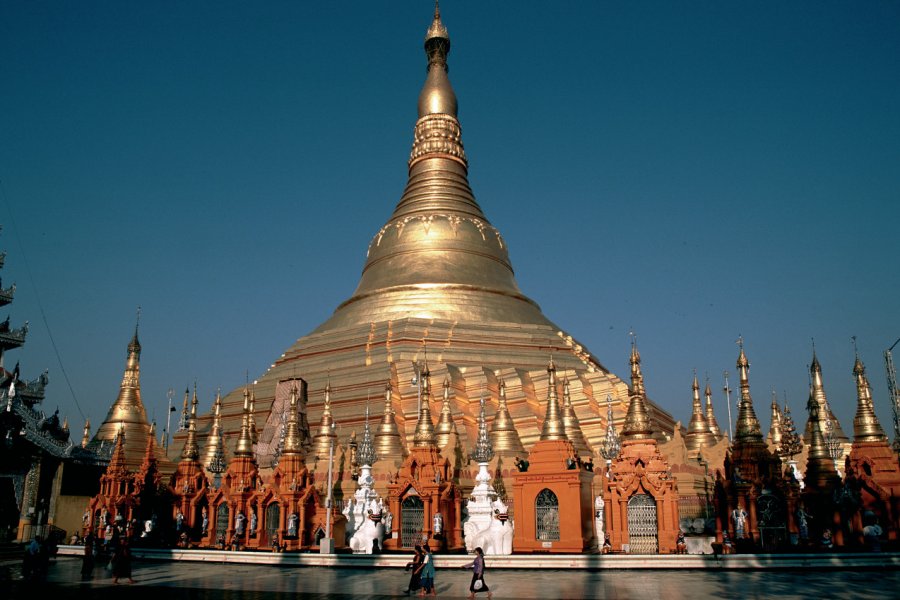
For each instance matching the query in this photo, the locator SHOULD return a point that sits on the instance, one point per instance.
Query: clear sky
(695, 171)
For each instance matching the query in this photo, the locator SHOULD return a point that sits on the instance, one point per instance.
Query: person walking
(478, 584)
(415, 578)
(427, 573)
(121, 560)
(87, 561)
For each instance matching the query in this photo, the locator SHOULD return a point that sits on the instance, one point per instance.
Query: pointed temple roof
(637, 421)
(244, 447)
(214, 447)
(446, 425)
(367, 455)
(504, 437)
(698, 434)
(710, 415)
(553, 428)
(820, 472)
(866, 427)
(293, 442)
(825, 412)
(437, 269)
(570, 423)
(424, 435)
(128, 413)
(325, 436)
(748, 428)
(388, 443)
(483, 451)
(191, 451)
(774, 437)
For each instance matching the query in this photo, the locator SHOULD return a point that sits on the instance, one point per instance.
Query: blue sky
(695, 171)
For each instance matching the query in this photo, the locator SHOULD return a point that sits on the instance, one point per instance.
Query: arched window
(273, 515)
(222, 515)
(546, 511)
(412, 521)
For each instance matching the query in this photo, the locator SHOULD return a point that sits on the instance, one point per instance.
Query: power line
(37, 296)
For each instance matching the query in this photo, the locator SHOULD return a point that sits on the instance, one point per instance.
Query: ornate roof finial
(483, 452)
(254, 434)
(820, 471)
(866, 427)
(424, 434)
(214, 440)
(637, 420)
(571, 425)
(325, 436)
(446, 425)
(387, 438)
(504, 436)
(791, 442)
(611, 442)
(366, 454)
(191, 451)
(748, 428)
(699, 434)
(293, 444)
(777, 419)
(553, 428)
(244, 448)
(437, 96)
(86, 434)
(710, 415)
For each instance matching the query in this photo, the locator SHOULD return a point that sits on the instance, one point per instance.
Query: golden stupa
(437, 276)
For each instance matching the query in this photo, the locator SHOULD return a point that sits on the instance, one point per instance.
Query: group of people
(117, 548)
(423, 573)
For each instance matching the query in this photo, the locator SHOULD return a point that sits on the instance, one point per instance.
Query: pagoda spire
(185, 411)
(484, 451)
(446, 425)
(775, 429)
(437, 256)
(244, 447)
(570, 423)
(612, 445)
(710, 415)
(820, 471)
(325, 436)
(637, 420)
(388, 442)
(504, 437)
(86, 434)
(424, 434)
(191, 451)
(293, 443)
(254, 434)
(214, 440)
(832, 429)
(748, 428)
(866, 427)
(366, 454)
(699, 435)
(553, 428)
(117, 464)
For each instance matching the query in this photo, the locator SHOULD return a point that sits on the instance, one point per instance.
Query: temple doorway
(546, 510)
(643, 529)
(772, 522)
(412, 520)
(273, 516)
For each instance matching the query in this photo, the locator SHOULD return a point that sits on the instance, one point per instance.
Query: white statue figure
(104, 517)
(148, 528)
(253, 522)
(292, 525)
(179, 521)
(599, 523)
(369, 532)
(239, 520)
(438, 524)
(204, 527)
(494, 536)
(739, 517)
(388, 520)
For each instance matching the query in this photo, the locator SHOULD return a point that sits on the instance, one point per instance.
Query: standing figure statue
(438, 523)
(204, 526)
(253, 522)
(803, 518)
(179, 521)
(739, 517)
(292, 525)
(599, 524)
(239, 520)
